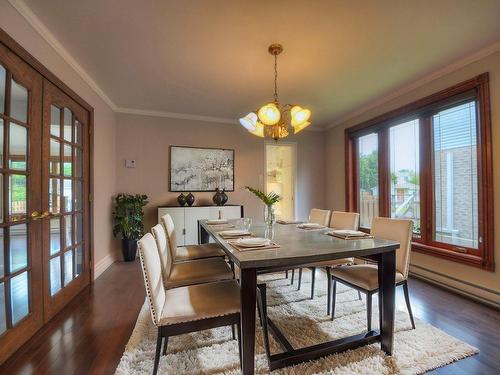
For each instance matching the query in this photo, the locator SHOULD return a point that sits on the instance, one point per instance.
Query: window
(429, 161)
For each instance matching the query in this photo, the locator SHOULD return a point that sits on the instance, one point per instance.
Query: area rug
(304, 322)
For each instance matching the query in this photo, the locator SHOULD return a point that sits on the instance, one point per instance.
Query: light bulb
(299, 115)
(249, 121)
(269, 114)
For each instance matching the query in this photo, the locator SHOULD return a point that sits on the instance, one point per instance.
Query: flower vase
(269, 216)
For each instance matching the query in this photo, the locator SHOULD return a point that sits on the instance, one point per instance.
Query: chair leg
(329, 288)
(233, 333)
(286, 274)
(165, 344)
(313, 281)
(238, 326)
(300, 278)
(334, 296)
(369, 311)
(158, 351)
(407, 298)
(293, 276)
(359, 295)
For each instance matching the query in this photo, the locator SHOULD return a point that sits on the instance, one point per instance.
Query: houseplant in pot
(128, 222)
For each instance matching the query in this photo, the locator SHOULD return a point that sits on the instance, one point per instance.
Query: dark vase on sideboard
(218, 199)
(190, 199)
(224, 197)
(181, 199)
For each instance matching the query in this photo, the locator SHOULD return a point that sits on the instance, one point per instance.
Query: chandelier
(273, 120)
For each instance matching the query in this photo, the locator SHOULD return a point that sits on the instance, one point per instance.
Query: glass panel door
(280, 177)
(65, 186)
(21, 298)
(368, 179)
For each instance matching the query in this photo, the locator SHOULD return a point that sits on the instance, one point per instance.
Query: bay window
(429, 161)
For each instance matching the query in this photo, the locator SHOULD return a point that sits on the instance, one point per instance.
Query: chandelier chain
(276, 78)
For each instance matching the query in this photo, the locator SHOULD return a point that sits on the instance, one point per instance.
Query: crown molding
(485, 52)
(175, 115)
(35, 22)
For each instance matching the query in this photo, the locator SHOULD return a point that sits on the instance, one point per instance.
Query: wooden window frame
(477, 88)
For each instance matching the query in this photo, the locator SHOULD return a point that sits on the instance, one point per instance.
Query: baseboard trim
(443, 284)
(103, 265)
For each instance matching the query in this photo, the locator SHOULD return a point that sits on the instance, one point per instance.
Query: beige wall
(147, 140)
(335, 177)
(104, 129)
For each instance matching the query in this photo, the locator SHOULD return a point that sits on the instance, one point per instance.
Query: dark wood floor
(90, 334)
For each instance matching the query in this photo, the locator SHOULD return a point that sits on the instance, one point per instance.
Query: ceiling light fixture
(271, 120)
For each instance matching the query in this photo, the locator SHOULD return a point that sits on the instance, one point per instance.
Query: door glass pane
(78, 261)
(78, 228)
(455, 176)
(280, 178)
(3, 319)
(17, 197)
(18, 147)
(55, 160)
(54, 195)
(78, 162)
(368, 178)
(68, 198)
(19, 297)
(2, 89)
(78, 195)
(1, 142)
(68, 267)
(405, 172)
(18, 247)
(2, 261)
(67, 124)
(19, 102)
(55, 121)
(55, 275)
(68, 161)
(78, 132)
(68, 230)
(55, 235)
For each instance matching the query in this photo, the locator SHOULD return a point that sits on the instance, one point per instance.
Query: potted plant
(269, 200)
(128, 222)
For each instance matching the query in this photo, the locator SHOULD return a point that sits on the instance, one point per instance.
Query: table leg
(248, 291)
(387, 295)
(203, 236)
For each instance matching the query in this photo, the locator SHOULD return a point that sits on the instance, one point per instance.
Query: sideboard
(186, 219)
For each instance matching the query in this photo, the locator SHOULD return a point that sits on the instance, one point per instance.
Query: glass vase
(269, 216)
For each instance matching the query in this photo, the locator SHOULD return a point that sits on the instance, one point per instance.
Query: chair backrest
(164, 250)
(151, 270)
(318, 216)
(399, 230)
(344, 220)
(168, 223)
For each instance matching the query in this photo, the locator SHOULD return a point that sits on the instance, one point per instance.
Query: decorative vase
(190, 199)
(181, 199)
(269, 216)
(218, 198)
(129, 249)
(224, 197)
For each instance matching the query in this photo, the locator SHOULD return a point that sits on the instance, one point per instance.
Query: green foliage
(368, 170)
(128, 217)
(269, 199)
(413, 178)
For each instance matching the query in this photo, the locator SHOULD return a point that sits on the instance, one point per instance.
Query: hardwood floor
(90, 334)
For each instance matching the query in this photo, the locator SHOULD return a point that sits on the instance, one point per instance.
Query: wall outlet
(129, 163)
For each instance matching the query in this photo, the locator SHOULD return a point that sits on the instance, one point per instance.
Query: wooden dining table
(297, 248)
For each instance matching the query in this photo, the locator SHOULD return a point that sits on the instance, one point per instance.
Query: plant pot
(129, 250)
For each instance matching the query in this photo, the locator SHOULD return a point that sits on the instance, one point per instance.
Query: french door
(44, 213)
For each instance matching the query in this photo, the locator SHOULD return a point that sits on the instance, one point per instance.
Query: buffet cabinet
(186, 219)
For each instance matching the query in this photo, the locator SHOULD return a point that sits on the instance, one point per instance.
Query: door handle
(35, 215)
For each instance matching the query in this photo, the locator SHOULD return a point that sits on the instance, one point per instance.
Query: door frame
(294, 168)
(24, 55)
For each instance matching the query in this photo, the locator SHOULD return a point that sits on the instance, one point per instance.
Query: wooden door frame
(17, 49)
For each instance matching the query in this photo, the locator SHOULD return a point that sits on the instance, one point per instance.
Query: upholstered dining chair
(189, 252)
(185, 309)
(188, 272)
(364, 277)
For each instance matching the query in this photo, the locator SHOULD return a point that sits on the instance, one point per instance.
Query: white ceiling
(209, 58)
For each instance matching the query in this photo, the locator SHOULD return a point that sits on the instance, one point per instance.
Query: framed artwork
(201, 169)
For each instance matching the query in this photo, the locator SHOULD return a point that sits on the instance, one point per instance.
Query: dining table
(297, 248)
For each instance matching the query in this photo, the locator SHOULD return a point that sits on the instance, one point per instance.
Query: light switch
(130, 163)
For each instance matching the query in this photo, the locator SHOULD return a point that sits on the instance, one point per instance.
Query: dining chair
(364, 277)
(188, 252)
(188, 272)
(185, 309)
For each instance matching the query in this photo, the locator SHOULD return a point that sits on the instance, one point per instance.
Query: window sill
(468, 259)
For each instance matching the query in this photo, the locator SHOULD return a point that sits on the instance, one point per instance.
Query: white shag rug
(305, 323)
